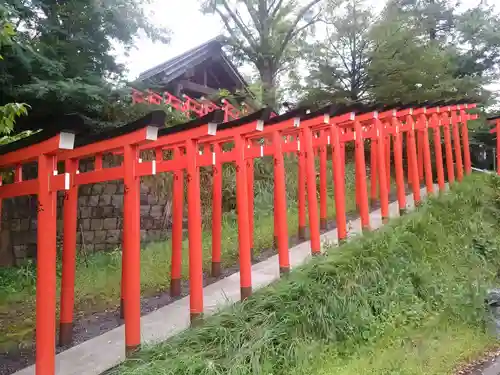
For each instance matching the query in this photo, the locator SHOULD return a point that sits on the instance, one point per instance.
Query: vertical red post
(373, 170)
(420, 155)
(457, 146)
(132, 250)
(359, 150)
(216, 212)
(46, 269)
(408, 164)
(323, 213)
(438, 153)
(427, 156)
(382, 179)
(413, 161)
(338, 185)
(275, 223)
(18, 173)
(449, 151)
(98, 162)
(243, 227)
(398, 166)
(97, 165)
(177, 218)
(465, 138)
(280, 207)
(70, 212)
(123, 282)
(388, 160)
(194, 233)
(250, 190)
(301, 194)
(342, 157)
(312, 202)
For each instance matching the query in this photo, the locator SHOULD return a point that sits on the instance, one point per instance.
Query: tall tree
(8, 111)
(337, 64)
(435, 17)
(406, 67)
(463, 45)
(267, 33)
(471, 37)
(62, 58)
(476, 42)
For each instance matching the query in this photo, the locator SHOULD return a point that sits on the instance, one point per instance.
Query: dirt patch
(479, 366)
(90, 325)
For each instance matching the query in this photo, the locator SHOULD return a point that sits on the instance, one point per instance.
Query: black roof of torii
(176, 67)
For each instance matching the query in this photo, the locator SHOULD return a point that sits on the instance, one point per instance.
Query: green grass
(422, 277)
(437, 347)
(97, 285)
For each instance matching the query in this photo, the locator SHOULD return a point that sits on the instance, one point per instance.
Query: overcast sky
(190, 28)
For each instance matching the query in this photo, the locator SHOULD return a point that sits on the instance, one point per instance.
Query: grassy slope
(421, 278)
(97, 285)
(437, 347)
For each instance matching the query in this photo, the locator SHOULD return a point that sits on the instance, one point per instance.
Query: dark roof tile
(175, 67)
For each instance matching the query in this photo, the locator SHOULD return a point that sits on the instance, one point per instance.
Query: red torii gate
(292, 146)
(344, 134)
(128, 140)
(457, 116)
(131, 135)
(185, 139)
(409, 127)
(127, 137)
(362, 124)
(191, 161)
(45, 186)
(495, 120)
(432, 116)
(180, 162)
(237, 131)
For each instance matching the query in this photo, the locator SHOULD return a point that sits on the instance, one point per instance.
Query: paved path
(493, 369)
(106, 351)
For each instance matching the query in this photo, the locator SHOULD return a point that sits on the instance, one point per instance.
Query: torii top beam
(138, 132)
(61, 136)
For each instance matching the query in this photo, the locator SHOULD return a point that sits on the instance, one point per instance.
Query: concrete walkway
(108, 350)
(493, 369)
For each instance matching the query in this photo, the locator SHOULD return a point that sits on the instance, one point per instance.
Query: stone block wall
(100, 212)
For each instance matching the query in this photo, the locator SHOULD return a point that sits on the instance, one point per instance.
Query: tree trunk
(267, 77)
(432, 30)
